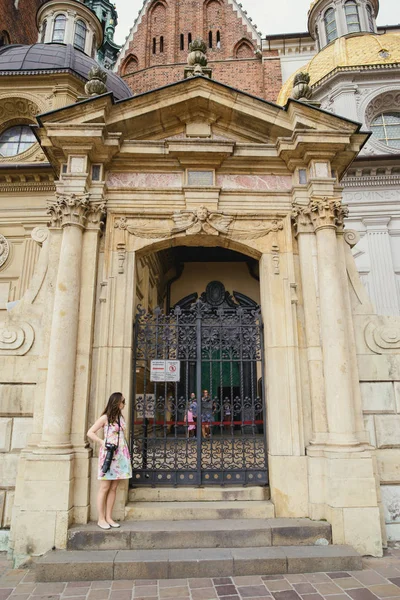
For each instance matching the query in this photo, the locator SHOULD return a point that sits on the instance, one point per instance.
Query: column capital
(327, 213)
(75, 209)
(301, 218)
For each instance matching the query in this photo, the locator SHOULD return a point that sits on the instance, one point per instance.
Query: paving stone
(250, 591)
(368, 577)
(77, 584)
(145, 591)
(304, 588)
(247, 580)
(76, 591)
(317, 578)
(203, 594)
(384, 590)
(335, 597)
(278, 586)
(19, 596)
(271, 577)
(121, 595)
(201, 582)
(24, 588)
(97, 585)
(295, 578)
(174, 592)
(317, 597)
(395, 580)
(124, 584)
(325, 589)
(348, 583)
(361, 594)
(146, 582)
(98, 594)
(338, 575)
(41, 589)
(222, 580)
(286, 595)
(226, 590)
(172, 583)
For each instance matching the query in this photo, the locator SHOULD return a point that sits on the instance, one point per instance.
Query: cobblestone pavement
(380, 578)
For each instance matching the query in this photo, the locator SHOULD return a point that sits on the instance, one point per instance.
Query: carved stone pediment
(382, 335)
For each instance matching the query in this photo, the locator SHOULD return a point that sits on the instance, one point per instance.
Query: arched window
(154, 45)
(218, 40)
(386, 128)
(371, 24)
(16, 140)
(189, 38)
(80, 35)
(59, 28)
(43, 31)
(162, 44)
(4, 38)
(182, 42)
(352, 16)
(210, 39)
(330, 25)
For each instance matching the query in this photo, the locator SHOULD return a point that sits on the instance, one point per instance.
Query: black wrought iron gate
(208, 427)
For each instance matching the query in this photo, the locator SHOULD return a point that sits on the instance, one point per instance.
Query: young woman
(120, 467)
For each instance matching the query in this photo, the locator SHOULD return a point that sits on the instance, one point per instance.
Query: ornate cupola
(331, 19)
(69, 22)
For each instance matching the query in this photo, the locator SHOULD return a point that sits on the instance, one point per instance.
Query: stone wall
(18, 19)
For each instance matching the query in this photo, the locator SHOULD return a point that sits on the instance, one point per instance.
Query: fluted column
(326, 214)
(72, 213)
(382, 271)
(305, 239)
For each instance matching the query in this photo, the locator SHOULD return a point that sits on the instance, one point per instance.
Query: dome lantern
(69, 22)
(331, 19)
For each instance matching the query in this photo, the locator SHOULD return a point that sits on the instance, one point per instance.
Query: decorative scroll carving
(4, 249)
(383, 336)
(199, 221)
(73, 209)
(327, 212)
(351, 237)
(40, 235)
(15, 339)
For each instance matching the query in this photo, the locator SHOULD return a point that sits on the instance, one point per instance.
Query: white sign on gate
(165, 370)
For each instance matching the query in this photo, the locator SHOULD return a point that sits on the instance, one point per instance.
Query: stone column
(382, 271)
(325, 214)
(305, 239)
(70, 212)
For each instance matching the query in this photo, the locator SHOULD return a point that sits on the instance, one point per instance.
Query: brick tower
(18, 21)
(157, 47)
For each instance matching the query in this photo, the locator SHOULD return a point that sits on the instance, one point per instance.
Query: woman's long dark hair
(112, 409)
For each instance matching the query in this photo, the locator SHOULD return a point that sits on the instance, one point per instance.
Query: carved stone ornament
(301, 218)
(301, 87)
(383, 336)
(197, 60)
(199, 221)
(351, 237)
(40, 235)
(327, 212)
(4, 249)
(15, 339)
(71, 209)
(96, 85)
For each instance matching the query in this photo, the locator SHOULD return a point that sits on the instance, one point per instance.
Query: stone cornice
(372, 180)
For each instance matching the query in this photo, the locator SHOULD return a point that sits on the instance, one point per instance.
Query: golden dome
(352, 51)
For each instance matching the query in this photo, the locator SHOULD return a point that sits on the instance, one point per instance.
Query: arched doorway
(206, 340)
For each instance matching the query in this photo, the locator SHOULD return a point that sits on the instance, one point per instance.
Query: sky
(291, 17)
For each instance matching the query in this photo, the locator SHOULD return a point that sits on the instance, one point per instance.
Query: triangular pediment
(196, 110)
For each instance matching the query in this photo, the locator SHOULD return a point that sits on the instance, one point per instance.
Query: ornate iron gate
(215, 438)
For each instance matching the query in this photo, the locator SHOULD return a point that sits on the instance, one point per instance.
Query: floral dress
(121, 467)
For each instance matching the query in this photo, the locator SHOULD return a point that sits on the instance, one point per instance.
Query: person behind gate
(114, 459)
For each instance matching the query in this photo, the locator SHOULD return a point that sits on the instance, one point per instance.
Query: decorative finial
(301, 87)
(96, 84)
(197, 60)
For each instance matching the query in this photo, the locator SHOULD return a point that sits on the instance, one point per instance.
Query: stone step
(218, 533)
(82, 565)
(197, 494)
(184, 511)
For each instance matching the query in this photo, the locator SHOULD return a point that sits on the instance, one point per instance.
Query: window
(161, 44)
(386, 128)
(43, 32)
(218, 40)
(189, 38)
(154, 45)
(210, 39)
(4, 38)
(16, 140)
(96, 172)
(371, 24)
(80, 35)
(59, 28)
(330, 25)
(182, 42)
(352, 17)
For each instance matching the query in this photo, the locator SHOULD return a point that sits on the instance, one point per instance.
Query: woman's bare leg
(111, 500)
(104, 487)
